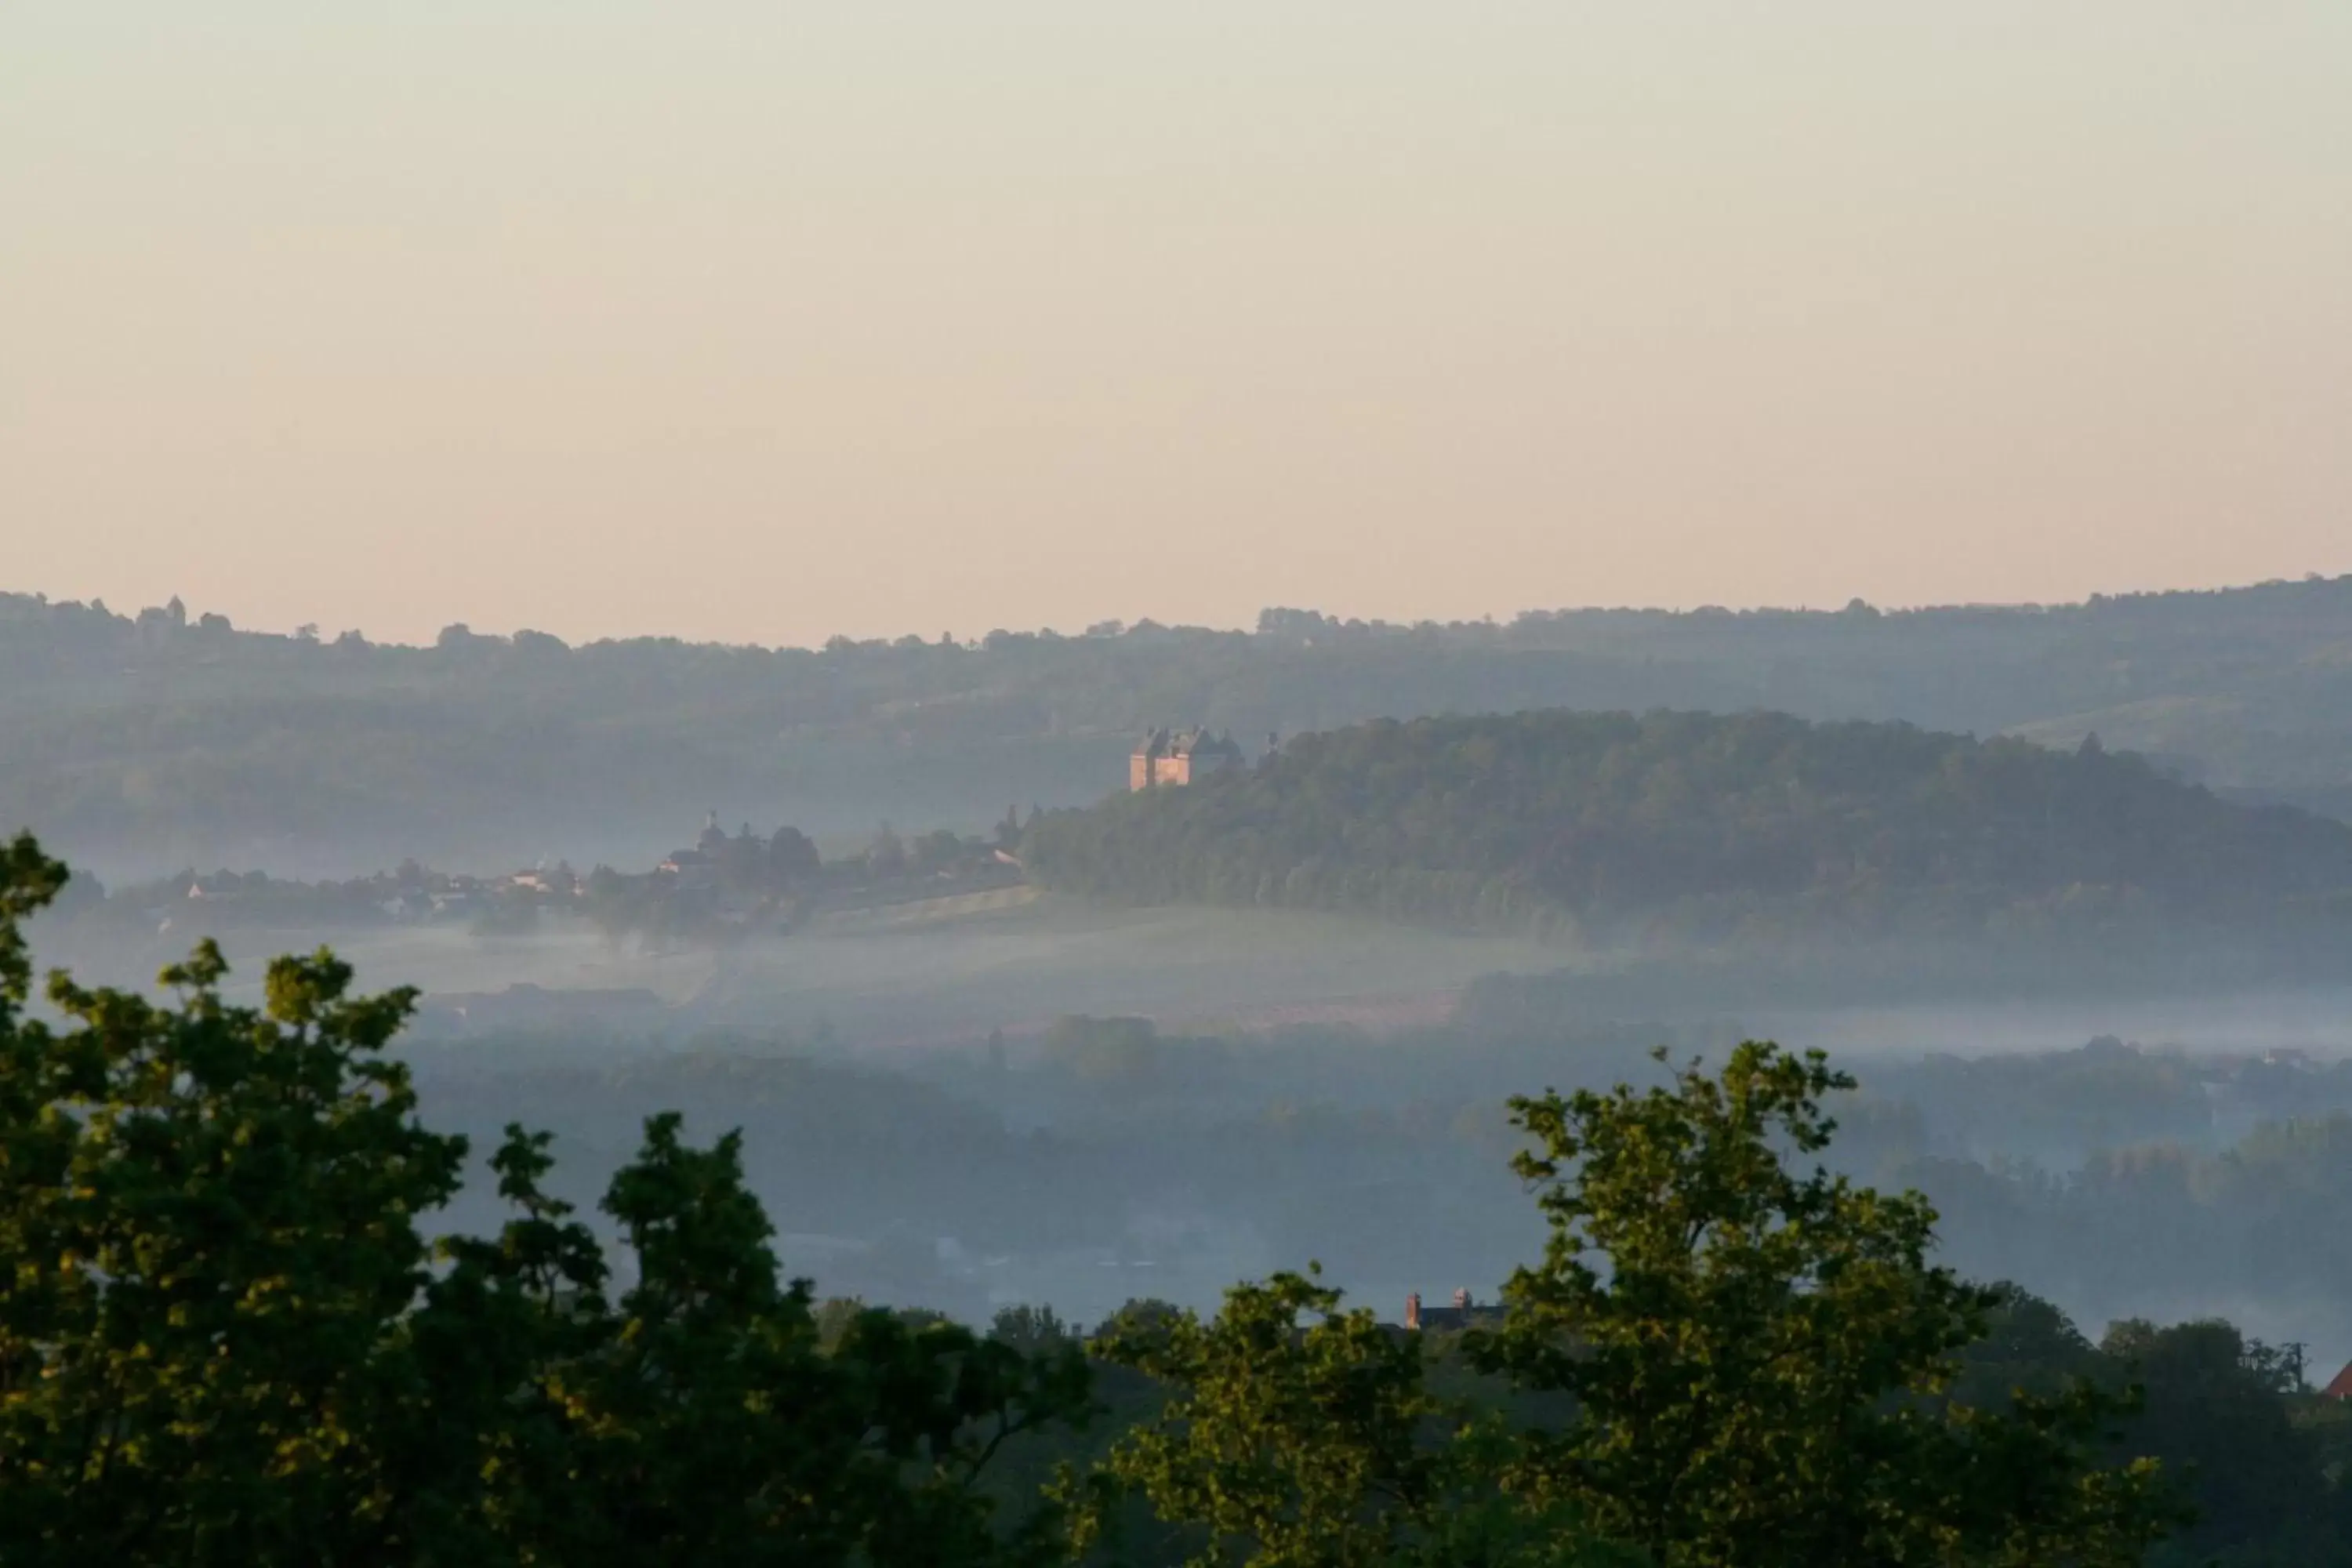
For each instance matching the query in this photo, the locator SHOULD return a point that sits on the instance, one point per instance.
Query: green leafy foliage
(1753, 1350)
(1721, 1361)
(1291, 1448)
(1320, 1447)
(212, 1213)
(224, 1340)
(2220, 1410)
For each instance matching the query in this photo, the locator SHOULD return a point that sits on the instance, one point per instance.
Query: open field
(950, 970)
(930, 975)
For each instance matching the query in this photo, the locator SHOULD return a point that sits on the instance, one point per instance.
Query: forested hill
(1617, 824)
(145, 741)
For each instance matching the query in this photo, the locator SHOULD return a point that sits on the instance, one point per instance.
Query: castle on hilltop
(1178, 757)
(1465, 1313)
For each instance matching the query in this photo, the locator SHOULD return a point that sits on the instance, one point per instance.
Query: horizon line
(97, 604)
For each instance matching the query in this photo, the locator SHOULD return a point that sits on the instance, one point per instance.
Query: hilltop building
(1178, 757)
(1463, 1314)
(696, 869)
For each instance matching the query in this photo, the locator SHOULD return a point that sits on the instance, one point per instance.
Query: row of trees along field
(1701, 824)
(224, 1339)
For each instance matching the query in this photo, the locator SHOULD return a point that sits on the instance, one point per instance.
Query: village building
(1180, 757)
(454, 902)
(701, 863)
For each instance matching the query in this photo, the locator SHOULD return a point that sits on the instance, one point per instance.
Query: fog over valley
(1113, 1042)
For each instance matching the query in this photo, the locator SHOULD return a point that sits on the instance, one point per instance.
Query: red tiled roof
(2342, 1387)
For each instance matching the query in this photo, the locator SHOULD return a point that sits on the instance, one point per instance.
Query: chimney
(1412, 1310)
(1462, 1301)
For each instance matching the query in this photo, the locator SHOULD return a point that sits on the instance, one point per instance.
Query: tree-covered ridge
(1722, 825)
(165, 737)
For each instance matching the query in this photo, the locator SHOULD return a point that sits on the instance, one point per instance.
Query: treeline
(224, 1339)
(724, 887)
(2115, 1180)
(731, 888)
(1614, 826)
(164, 737)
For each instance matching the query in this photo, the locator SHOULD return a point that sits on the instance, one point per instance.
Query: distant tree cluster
(1613, 824)
(728, 885)
(733, 886)
(226, 901)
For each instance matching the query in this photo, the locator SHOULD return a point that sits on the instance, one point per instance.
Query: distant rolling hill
(1615, 824)
(140, 744)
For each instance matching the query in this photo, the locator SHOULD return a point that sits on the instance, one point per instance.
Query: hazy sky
(761, 320)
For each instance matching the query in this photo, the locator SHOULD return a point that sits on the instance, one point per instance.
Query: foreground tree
(1313, 1446)
(1721, 1363)
(224, 1340)
(210, 1215)
(1754, 1350)
(2236, 1414)
(701, 1418)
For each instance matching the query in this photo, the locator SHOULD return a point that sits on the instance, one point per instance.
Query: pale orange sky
(762, 320)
